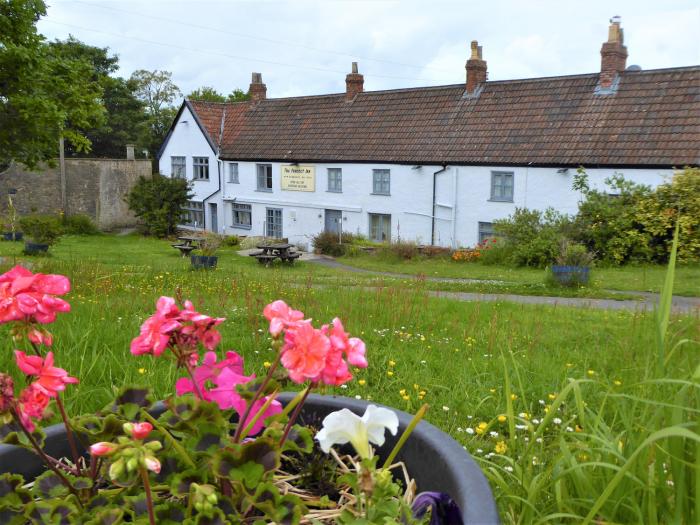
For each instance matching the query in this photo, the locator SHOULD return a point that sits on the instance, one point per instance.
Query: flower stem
(169, 438)
(69, 434)
(194, 383)
(258, 414)
(256, 396)
(295, 414)
(149, 497)
(406, 433)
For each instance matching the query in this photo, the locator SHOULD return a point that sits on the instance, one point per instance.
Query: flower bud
(102, 448)
(152, 464)
(116, 469)
(132, 464)
(138, 430)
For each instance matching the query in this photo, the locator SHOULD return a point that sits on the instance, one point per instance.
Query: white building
(436, 165)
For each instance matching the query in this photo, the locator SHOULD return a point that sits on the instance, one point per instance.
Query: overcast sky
(305, 47)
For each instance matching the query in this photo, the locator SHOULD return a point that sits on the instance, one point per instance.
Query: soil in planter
(318, 472)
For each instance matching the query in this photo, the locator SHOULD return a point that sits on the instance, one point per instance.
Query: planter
(35, 248)
(435, 460)
(571, 275)
(203, 261)
(13, 236)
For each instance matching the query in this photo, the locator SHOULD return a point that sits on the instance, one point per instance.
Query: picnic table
(187, 244)
(269, 252)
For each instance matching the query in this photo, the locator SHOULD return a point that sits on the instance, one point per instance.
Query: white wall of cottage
(462, 194)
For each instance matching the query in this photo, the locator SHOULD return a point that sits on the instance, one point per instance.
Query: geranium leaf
(264, 452)
(107, 517)
(299, 440)
(130, 401)
(49, 485)
(169, 513)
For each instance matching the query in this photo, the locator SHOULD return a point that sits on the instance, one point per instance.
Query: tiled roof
(652, 119)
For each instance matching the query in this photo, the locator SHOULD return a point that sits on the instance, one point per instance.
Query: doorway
(213, 213)
(333, 221)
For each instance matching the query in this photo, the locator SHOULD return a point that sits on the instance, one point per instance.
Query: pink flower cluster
(319, 355)
(34, 399)
(217, 383)
(181, 330)
(31, 298)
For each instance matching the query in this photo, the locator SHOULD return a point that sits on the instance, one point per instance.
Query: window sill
(334, 191)
(381, 194)
(263, 190)
(232, 182)
(501, 200)
(241, 227)
(200, 180)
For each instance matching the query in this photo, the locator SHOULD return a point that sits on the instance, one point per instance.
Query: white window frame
(381, 182)
(193, 214)
(335, 180)
(382, 217)
(485, 231)
(233, 172)
(238, 209)
(178, 167)
(264, 177)
(274, 229)
(200, 168)
(499, 186)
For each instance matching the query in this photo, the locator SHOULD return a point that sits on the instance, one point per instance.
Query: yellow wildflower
(552, 396)
(501, 447)
(513, 397)
(390, 373)
(392, 362)
(481, 428)
(591, 373)
(361, 382)
(502, 418)
(267, 364)
(617, 382)
(405, 397)
(142, 370)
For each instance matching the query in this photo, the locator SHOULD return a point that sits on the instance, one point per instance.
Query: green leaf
(49, 485)
(299, 440)
(107, 517)
(13, 499)
(130, 401)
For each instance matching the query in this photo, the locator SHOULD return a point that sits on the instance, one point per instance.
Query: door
(213, 213)
(273, 223)
(333, 218)
(379, 227)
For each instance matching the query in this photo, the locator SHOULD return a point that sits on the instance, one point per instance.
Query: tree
(158, 202)
(44, 94)
(206, 94)
(158, 92)
(238, 95)
(126, 120)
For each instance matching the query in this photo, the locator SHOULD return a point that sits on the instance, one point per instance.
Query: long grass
(589, 429)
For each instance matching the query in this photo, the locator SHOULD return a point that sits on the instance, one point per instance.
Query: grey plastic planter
(35, 248)
(203, 261)
(434, 459)
(10, 236)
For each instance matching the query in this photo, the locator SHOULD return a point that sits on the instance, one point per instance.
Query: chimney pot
(476, 68)
(613, 55)
(257, 90)
(354, 83)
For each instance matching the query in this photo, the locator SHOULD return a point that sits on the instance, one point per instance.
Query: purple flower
(444, 511)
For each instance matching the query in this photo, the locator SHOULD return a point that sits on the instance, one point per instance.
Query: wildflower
(493, 434)
(361, 382)
(267, 364)
(445, 408)
(492, 390)
(551, 397)
(481, 428)
(556, 421)
(152, 464)
(569, 365)
(524, 415)
(389, 373)
(579, 429)
(591, 373)
(392, 363)
(281, 316)
(513, 397)
(502, 418)
(142, 370)
(508, 468)
(405, 397)
(501, 447)
(343, 426)
(617, 382)
(51, 379)
(469, 430)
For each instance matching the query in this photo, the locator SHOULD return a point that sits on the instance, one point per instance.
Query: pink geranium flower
(51, 379)
(202, 326)
(304, 352)
(25, 296)
(281, 316)
(352, 347)
(208, 372)
(240, 405)
(32, 405)
(157, 329)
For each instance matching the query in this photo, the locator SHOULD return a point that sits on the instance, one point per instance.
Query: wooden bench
(291, 257)
(265, 259)
(185, 249)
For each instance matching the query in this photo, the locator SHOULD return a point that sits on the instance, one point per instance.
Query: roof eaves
(212, 144)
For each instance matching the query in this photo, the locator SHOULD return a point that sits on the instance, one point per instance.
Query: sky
(306, 47)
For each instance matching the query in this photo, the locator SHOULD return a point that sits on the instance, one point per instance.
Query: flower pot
(35, 248)
(13, 236)
(203, 261)
(571, 275)
(435, 460)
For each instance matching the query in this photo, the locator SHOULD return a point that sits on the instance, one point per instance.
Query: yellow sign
(299, 178)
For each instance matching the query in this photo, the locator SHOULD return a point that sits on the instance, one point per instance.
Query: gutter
(219, 162)
(432, 220)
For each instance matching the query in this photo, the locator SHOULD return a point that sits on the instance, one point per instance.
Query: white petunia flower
(344, 426)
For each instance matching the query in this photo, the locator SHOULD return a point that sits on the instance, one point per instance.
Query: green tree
(44, 94)
(158, 93)
(126, 120)
(238, 95)
(206, 94)
(158, 202)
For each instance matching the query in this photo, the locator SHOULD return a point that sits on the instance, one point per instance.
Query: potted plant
(11, 233)
(209, 245)
(227, 447)
(43, 230)
(573, 265)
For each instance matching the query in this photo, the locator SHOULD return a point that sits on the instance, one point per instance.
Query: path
(647, 300)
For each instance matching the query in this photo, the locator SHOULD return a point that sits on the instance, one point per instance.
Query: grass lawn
(646, 278)
(575, 388)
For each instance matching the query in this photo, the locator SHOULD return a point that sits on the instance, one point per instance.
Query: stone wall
(94, 187)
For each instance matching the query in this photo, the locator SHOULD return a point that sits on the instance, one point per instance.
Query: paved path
(647, 300)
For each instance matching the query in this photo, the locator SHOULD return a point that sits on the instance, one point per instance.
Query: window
(193, 214)
(242, 217)
(335, 180)
(233, 172)
(200, 168)
(485, 231)
(379, 227)
(178, 167)
(264, 177)
(502, 186)
(273, 223)
(380, 182)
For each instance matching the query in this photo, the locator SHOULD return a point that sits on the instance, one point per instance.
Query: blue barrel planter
(12, 236)
(35, 248)
(571, 275)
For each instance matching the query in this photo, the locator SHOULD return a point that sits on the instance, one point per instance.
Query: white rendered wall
(187, 140)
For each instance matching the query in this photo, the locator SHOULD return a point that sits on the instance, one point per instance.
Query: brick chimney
(476, 68)
(354, 83)
(613, 55)
(257, 90)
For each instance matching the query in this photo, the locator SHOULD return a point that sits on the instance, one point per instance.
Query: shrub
(574, 254)
(158, 202)
(495, 251)
(435, 251)
(78, 225)
(328, 243)
(210, 243)
(42, 229)
(231, 241)
(467, 254)
(406, 250)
